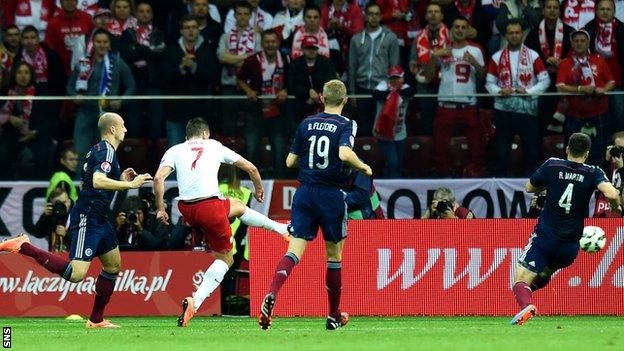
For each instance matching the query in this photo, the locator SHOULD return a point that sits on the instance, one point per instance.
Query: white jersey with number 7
(197, 163)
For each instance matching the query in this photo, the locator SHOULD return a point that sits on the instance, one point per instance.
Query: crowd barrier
(439, 267)
(149, 284)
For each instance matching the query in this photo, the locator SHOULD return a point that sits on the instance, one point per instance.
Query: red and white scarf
(467, 11)
(272, 82)
(6, 59)
(524, 74)
(7, 109)
(257, 19)
(558, 42)
(605, 38)
(39, 64)
(429, 40)
(22, 9)
(85, 69)
(321, 37)
(241, 43)
(582, 71)
(143, 34)
(116, 28)
(577, 13)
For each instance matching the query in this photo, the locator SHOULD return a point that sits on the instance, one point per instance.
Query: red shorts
(210, 217)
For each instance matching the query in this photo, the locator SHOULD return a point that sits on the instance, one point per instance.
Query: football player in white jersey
(462, 67)
(196, 162)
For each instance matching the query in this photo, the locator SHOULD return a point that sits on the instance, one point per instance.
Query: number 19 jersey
(197, 163)
(570, 186)
(458, 76)
(316, 142)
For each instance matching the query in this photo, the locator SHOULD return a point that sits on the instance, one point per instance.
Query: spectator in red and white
(143, 48)
(10, 46)
(235, 47)
(462, 69)
(21, 122)
(35, 13)
(123, 19)
(88, 6)
(66, 34)
(515, 73)
(371, 53)
(389, 129)
(306, 77)
(101, 19)
(433, 37)
(262, 74)
(260, 19)
(608, 34)
(286, 22)
(49, 75)
(577, 13)
(590, 75)
(191, 68)
(551, 41)
(526, 11)
(480, 29)
(311, 27)
(341, 20)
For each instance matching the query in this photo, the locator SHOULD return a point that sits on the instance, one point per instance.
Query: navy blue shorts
(91, 236)
(323, 207)
(545, 253)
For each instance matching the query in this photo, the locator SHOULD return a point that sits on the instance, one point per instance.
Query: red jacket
(61, 26)
(398, 26)
(352, 21)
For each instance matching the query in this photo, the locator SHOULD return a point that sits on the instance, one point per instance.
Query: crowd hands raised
(264, 51)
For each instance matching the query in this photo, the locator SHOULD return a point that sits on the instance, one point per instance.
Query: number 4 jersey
(458, 76)
(197, 163)
(570, 186)
(316, 142)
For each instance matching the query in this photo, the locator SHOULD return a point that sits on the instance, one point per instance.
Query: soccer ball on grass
(593, 239)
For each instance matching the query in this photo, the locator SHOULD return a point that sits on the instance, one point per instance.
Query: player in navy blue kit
(322, 149)
(91, 233)
(554, 243)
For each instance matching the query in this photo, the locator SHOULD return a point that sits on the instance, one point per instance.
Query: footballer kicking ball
(593, 239)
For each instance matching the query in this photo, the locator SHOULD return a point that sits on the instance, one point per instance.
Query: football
(593, 239)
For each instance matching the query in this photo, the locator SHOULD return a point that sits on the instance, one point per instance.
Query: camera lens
(616, 151)
(131, 217)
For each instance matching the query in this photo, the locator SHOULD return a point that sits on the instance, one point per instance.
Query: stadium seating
(368, 150)
(135, 153)
(418, 157)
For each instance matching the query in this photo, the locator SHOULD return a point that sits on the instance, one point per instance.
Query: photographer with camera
(444, 206)
(613, 166)
(136, 226)
(52, 223)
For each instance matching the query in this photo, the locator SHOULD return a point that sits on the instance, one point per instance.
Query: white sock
(212, 278)
(256, 219)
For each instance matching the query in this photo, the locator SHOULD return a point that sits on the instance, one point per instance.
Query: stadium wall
(149, 284)
(439, 267)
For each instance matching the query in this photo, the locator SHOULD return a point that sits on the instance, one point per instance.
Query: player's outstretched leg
(211, 280)
(333, 283)
(282, 272)
(103, 290)
(51, 262)
(254, 218)
(523, 294)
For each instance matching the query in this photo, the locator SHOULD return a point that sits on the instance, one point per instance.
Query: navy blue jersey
(316, 142)
(101, 158)
(570, 186)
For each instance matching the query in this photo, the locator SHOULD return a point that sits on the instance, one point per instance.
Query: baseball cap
(309, 41)
(395, 71)
(579, 31)
(102, 11)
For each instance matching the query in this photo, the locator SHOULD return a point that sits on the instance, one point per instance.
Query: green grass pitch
(300, 334)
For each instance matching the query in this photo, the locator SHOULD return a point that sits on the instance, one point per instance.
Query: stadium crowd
(388, 50)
